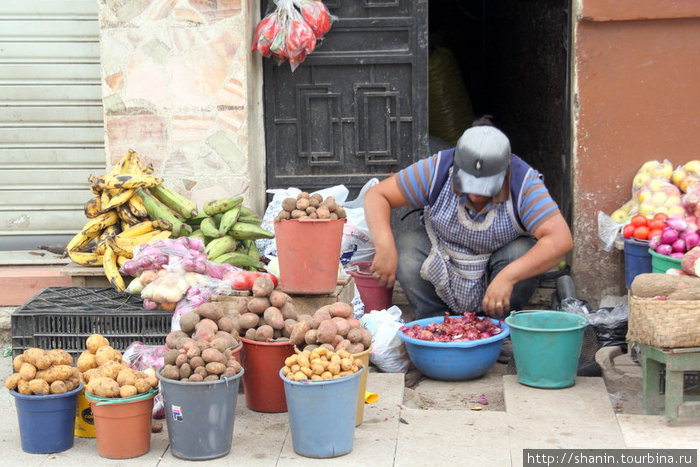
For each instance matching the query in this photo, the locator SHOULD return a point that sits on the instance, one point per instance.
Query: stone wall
(181, 87)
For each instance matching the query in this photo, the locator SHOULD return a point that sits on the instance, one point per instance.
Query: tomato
(638, 220)
(641, 232)
(656, 224)
(628, 230)
(655, 232)
(660, 216)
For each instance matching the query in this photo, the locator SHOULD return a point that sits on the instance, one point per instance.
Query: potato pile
(201, 349)
(320, 364)
(268, 315)
(310, 207)
(333, 328)
(106, 375)
(41, 372)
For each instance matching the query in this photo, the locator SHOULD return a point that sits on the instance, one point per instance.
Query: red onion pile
(454, 329)
(677, 237)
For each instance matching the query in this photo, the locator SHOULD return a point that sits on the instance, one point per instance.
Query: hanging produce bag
(292, 30)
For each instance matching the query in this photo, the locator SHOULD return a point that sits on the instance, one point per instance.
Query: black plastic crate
(64, 317)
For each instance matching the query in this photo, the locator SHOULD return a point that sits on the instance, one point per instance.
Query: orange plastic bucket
(374, 294)
(360, 415)
(308, 251)
(264, 390)
(122, 426)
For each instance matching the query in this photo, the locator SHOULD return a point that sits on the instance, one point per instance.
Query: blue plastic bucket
(637, 259)
(46, 423)
(200, 416)
(322, 414)
(546, 347)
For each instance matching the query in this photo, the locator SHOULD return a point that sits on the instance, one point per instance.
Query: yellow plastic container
(361, 398)
(84, 423)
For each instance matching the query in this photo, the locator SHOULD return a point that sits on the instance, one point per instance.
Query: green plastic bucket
(546, 347)
(662, 263)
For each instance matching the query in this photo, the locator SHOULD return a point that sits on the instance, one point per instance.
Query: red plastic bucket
(308, 251)
(374, 294)
(264, 390)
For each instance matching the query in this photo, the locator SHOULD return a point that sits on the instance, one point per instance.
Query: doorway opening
(508, 59)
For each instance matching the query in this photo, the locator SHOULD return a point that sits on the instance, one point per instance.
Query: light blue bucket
(546, 347)
(322, 415)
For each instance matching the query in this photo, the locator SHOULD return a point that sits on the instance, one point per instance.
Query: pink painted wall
(637, 98)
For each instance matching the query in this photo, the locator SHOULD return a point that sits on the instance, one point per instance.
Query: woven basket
(664, 323)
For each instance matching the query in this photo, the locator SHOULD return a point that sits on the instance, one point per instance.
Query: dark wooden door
(357, 107)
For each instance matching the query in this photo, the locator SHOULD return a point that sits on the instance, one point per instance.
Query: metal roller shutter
(51, 122)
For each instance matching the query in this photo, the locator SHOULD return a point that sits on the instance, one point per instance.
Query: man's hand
(384, 265)
(497, 298)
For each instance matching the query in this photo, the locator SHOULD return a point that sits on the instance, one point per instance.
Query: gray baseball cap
(481, 161)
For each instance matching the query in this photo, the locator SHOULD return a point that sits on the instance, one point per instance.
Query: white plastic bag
(388, 350)
(357, 242)
(608, 230)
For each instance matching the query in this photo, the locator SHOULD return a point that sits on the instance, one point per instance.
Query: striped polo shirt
(535, 205)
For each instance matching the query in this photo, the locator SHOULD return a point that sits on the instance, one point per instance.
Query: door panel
(356, 108)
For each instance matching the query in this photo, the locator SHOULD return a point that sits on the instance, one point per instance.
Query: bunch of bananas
(131, 207)
(229, 230)
(118, 218)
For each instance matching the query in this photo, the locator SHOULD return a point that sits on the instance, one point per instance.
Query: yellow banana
(99, 223)
(93, 207)
(109, 263)
(123, 165)
(137, 207)
(106, 234)
(81, 239)
(140, 229)
(121, 260)
(118, 198)
(84, 258)
(132, 242)
(127, 181)
(125, 214)
(127, 251)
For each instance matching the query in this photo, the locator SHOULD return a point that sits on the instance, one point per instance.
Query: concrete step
(20, 283)
(577, 417)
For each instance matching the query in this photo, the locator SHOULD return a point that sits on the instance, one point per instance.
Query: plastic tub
(453, 361)
(200, 416)
(46, 423)
(637, 259)
(264, 392)
(308, 251)
(374, 294)
(119, 416)
(662, 263)
(546, 347)
(322, 414)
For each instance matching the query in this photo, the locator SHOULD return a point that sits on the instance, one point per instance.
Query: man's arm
(379, 201)
(553, 242)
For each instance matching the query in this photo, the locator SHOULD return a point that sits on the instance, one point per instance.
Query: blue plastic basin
(453, 361)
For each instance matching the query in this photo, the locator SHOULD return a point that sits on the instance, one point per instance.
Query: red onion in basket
(678, 246)
(669, 235)
(691, 240)
(654, 242)
(676, 223)
(664, 249)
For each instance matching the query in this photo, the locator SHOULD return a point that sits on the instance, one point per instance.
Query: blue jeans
(413, 248)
